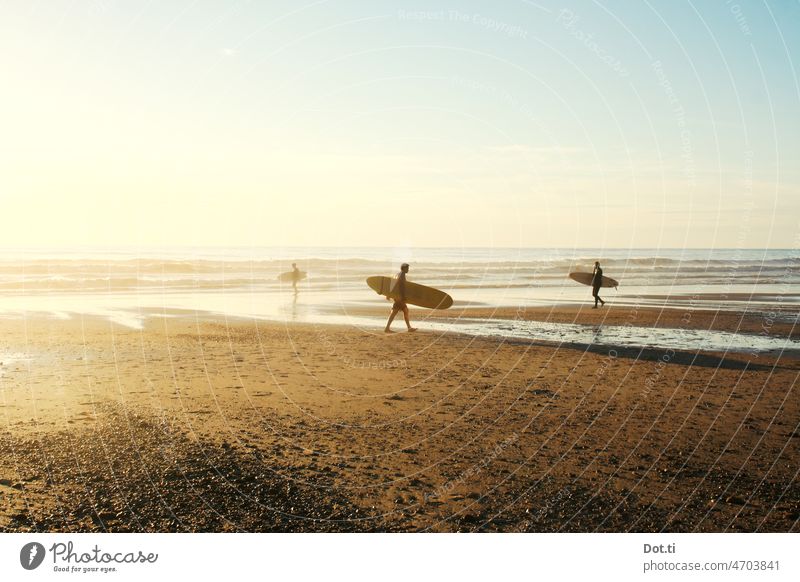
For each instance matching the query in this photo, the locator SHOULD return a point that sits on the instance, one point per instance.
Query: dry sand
(192, 425)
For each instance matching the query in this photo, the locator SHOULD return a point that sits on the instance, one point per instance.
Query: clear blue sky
(438, 124)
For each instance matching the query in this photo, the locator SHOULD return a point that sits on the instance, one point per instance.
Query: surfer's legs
(596, 295)
(391, 318)
(408, 321)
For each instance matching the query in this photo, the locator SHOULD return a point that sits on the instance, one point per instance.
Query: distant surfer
(295, 276)
(399, 284)
(597, 282)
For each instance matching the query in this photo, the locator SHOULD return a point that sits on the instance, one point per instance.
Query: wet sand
(777, 321)
(208, 425)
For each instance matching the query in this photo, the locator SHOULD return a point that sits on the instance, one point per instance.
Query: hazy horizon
(395, 250)
(375, 247)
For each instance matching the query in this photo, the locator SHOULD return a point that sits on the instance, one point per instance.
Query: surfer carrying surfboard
(399, 288)
(597, 282)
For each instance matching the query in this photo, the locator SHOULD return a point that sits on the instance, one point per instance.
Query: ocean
(128, 285)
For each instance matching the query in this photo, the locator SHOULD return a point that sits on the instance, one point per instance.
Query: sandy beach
(206, 424)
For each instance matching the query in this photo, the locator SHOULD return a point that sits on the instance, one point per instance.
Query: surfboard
(290, 276)
(586, 279)
(416, 294)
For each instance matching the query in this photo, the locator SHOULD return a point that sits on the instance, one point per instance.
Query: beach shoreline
(200, 423)
(779, 321)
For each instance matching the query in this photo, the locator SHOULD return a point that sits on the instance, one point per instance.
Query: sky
(340, 123)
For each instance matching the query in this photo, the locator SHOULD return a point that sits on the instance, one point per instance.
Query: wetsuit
(597, 282)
